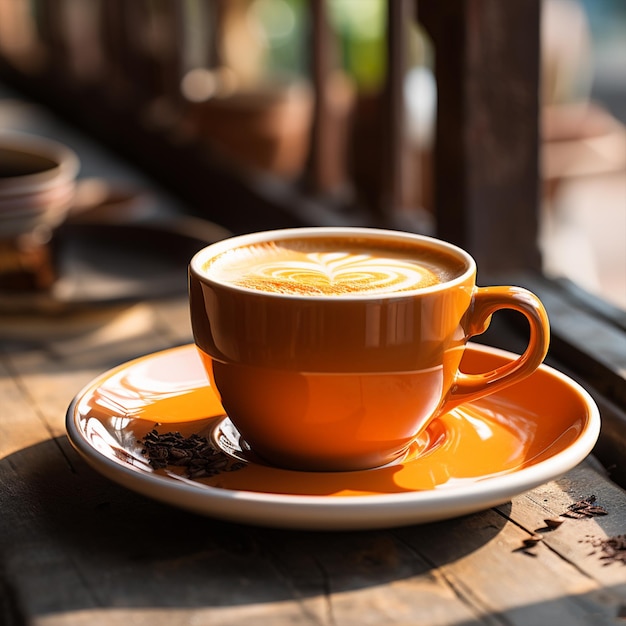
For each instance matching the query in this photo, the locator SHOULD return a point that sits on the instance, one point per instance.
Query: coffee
(334, 267)
(16, 163)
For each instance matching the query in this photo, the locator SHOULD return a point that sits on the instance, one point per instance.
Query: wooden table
(78, 549)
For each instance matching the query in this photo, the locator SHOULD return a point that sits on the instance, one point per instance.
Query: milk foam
(327, 268)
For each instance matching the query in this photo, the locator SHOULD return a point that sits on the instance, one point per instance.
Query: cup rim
(65, 168)
(212, 250)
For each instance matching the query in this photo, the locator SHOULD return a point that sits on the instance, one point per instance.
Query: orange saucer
(474, 457)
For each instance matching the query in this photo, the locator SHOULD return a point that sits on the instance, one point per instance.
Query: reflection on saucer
(473, 457)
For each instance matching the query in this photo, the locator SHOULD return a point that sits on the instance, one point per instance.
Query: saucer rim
(321, 512)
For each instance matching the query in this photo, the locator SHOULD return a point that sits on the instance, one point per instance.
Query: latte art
(321, 268)
(334, 274)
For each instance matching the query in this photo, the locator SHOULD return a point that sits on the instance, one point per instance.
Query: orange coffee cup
(333, 348)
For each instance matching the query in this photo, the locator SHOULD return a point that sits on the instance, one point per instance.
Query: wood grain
(77, 549)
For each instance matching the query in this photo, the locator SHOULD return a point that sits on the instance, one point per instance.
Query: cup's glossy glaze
(343, 383)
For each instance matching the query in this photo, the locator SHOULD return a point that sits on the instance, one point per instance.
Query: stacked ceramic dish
(37, 181)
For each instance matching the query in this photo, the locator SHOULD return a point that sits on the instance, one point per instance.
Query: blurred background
(584, 208)
(282, 97)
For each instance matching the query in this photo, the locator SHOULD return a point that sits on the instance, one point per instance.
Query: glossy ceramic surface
(347, 360)
(476, 456)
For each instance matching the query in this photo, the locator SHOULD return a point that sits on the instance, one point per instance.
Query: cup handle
(486, 301)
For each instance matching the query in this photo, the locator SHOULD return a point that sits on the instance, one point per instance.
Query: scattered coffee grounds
(529, 543)
(195, 453)
(586, 507)
(532, 541)
(612, 549)
(553, 523)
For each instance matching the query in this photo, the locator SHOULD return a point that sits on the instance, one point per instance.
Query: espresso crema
(333, 267)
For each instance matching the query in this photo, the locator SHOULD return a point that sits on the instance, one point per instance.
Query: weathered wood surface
(78, 550)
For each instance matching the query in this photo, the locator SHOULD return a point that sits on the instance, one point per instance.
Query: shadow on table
(73, 540)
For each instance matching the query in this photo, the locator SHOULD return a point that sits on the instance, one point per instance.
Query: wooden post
(487, 137)
(394, 153)
(320, 67)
